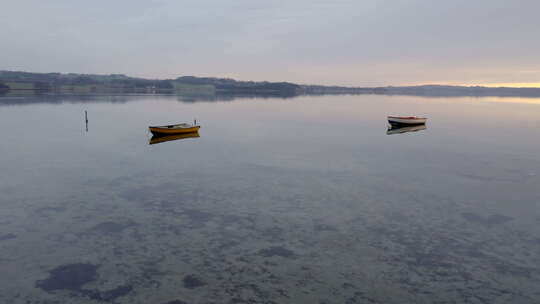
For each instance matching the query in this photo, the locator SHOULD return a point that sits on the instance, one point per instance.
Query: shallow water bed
(304, 200)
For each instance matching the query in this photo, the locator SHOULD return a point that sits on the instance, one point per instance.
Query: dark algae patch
(68, 277)
(73, 277)
(109, 295)
(273, 234)
(198, 218)
(138, 194)
(191, 282)
(8, 236)
(117, 292)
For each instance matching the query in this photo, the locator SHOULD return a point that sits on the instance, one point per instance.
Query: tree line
(52, 81)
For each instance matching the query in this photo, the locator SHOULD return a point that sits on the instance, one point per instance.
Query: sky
(332, 42)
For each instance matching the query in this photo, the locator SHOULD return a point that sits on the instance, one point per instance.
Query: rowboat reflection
(156, 139)
(393, 129)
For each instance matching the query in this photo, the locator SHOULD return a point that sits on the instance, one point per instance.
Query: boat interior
(178, 126)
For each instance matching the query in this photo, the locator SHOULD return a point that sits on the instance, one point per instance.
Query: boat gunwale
(407, 117)
(175, 127)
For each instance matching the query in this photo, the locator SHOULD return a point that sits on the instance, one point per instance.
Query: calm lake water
(303, 200)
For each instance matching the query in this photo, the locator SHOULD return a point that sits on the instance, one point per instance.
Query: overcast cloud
(346, 42)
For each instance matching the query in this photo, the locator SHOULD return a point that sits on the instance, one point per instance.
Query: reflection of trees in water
(221, 96)
(8, 99)
(36, 96)
(41, 97)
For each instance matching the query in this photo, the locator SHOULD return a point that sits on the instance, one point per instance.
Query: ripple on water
(112, 227)
(277, 251)
(492, 220)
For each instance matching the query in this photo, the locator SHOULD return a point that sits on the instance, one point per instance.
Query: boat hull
(169, 131)
(408, 121)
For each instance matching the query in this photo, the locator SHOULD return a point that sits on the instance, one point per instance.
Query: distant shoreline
(32, 83)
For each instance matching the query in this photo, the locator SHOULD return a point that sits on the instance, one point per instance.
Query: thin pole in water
(86, 119)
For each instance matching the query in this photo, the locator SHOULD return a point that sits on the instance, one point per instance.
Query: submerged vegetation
(73, 277)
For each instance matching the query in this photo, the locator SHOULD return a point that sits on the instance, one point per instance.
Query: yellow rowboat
(156, 139)
(174, 129)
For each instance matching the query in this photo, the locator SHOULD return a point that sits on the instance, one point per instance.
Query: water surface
(303, 200)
